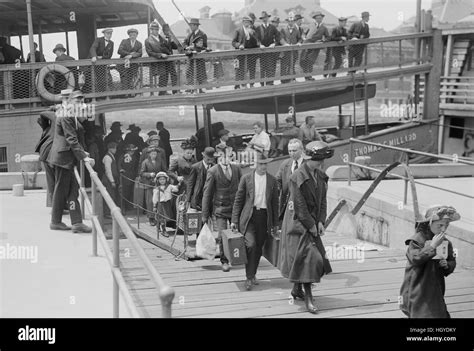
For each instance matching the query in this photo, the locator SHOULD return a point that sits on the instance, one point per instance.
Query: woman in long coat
(302, 256)
(423, 287)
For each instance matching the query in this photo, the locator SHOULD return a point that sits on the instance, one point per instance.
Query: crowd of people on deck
(250, 35)
(258, 204)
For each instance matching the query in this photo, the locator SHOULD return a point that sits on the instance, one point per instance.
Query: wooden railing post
(116, 263)
(94, 213)
(81, 172)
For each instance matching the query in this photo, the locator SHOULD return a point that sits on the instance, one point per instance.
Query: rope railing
(119, 224)
(220, 70)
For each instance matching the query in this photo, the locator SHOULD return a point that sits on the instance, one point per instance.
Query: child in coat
(430, 259)
(162, 197)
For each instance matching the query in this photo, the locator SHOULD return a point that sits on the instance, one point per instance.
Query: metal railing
(119, 224)
(120, 78)
(409, 177)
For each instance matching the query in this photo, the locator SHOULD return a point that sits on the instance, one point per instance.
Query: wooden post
(40, 36)
(366, 106)
(116, 264)
(266, 122)
(418, 27)
(432, 81)
(21, 44)
(196, 117)
(207, 131)
(30, 31)
(275, 100)
(67, 43)
(293, 103)
(446, 72)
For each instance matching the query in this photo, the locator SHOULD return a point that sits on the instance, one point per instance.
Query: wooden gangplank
(368, 289)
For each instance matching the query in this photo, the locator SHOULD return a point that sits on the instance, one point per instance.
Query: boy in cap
(245, 38)
(60, 52)
(317, 34)
(269, 37)
(102, 49)
(129, 49)
(358, 30)
(340, 35)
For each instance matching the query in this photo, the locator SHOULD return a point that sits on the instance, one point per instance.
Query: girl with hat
(302, 255)
(430, 258)
(150, 167)
(162, 198)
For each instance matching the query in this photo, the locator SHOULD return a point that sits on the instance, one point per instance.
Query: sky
(386, 14)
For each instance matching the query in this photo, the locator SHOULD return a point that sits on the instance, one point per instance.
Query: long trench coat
(423, 287)
(302, 256)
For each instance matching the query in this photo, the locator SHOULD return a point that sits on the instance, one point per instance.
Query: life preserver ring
(54, 67)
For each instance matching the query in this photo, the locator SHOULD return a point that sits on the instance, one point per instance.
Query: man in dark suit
(255, 214)
(102, 49)
(287, 168)
(10, 53)
(358, 30)
(197, 179)
(129, 49)
(189, 45)
(67, 149)
(164, 135)
(160, 48)
(221, 186)
(195, 32)
(269, 37)
(289, 35)
(339, 34)
(317, 34)
(245, 38)
(39, 57)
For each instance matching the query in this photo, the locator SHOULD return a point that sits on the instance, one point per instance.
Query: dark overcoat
(302, 255)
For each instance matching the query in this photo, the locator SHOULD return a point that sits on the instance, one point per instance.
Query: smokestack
(204, 12)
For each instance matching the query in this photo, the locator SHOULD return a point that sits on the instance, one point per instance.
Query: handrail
(409, 151)
(119, 223)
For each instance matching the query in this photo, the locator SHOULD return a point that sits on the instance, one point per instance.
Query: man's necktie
(295, 166)
(227, 173)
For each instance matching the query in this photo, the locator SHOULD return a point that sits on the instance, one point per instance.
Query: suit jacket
(317, 34)
(337, 34)
(46, 141)
(219, 192)
(156, 48)
(244, 202)
(64, 57)
(195, 185)
(191, 36)
(269, 35)
(165, 141)
(126, 48)
(283, 180)
(359, 30)
(98, 48)
(290, 38)
(68, 143)
(240, 39)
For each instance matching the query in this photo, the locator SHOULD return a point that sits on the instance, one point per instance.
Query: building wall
(20, 135)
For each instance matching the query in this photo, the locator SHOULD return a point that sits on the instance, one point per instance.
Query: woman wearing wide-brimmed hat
(302, 256)
(430, 258)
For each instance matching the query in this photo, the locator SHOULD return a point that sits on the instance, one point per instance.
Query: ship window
(455, 130)
(3, 159)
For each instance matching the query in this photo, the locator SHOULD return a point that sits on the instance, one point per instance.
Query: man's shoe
(255, 281)
(248, 284)
(81, 228)
(225, 267)
(59, 226)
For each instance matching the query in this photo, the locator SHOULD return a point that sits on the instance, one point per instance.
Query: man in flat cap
(358, 30)
(102, 49)
(160, 48)
(317, 34)
(129, 49)
(339, 34)
(269, 37)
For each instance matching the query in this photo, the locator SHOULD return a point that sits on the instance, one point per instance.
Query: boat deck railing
(119, 225)
(36, 84)
(404, 162)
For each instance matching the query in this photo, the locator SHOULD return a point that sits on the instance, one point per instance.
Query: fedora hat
(194, 21)
(132, 30)
(246, 18)
(341, 19)
(133, 127)
(438, 212)
(59, 47)
(317, 151)
(264, 15)
(318, 13)
(223, 132)
(209, 152)
(365, 14)
(276, 19)
(105, 30)
(116, 125)
(298, 17)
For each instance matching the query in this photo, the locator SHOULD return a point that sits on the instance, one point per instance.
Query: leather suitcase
(234, 247)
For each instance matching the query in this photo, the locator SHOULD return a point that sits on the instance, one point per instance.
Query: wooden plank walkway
(368, 289)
